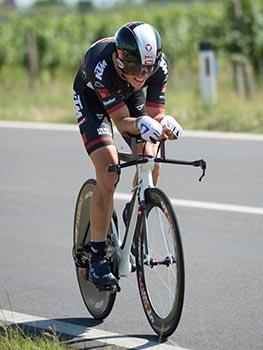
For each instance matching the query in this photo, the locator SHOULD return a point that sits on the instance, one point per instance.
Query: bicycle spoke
(164, 282)
(161, 222)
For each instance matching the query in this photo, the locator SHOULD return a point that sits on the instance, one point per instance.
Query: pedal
(133, 265)
(133, 268)
(112, 288)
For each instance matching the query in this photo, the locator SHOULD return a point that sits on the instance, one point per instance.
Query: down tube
(125, 265)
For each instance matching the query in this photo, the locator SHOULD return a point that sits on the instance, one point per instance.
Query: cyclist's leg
(101, 212)
(102, 199)
(96, 131)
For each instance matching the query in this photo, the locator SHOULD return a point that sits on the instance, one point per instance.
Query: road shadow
(71, 331)
(150, 339)
(105, 342)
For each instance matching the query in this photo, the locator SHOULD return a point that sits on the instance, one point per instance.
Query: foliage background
(63, 34)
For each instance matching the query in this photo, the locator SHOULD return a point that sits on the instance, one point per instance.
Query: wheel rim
(161, 287)
(99, 303)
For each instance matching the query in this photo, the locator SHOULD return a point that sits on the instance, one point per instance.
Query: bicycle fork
(147, 182)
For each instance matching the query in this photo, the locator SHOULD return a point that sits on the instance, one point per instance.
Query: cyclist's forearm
(156, 112)
(127, 124)
(124, 122)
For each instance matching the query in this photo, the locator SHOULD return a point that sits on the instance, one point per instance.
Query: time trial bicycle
(152, 239)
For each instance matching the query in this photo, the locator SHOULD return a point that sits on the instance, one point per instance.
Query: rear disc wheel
(98, 303)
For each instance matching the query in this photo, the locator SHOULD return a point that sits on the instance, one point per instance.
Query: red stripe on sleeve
(155, 105)
(116, 107)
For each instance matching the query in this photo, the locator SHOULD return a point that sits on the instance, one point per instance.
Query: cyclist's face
(139, 75)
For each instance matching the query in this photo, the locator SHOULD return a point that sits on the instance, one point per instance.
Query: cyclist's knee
(102, 158)
(107, 182)
(157, 168)
(156, 173)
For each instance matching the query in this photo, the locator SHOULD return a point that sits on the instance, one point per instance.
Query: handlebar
(196, 163)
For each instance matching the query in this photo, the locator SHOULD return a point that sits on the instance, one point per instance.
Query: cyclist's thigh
(149, 149)
(94, 123)
(103, 157)
(97, 134)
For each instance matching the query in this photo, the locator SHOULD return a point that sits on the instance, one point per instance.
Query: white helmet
(138, 47)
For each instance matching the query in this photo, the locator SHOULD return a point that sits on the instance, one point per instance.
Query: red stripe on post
(207, 66)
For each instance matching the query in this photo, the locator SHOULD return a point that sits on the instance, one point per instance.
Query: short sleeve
(105, 88)
(155, 96)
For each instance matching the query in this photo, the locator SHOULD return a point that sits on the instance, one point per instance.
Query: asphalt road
(40, 174)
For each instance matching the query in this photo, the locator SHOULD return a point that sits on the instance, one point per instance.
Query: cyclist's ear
(119, 59)
(120, 54)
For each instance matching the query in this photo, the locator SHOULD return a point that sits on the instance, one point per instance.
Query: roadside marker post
(207, 72)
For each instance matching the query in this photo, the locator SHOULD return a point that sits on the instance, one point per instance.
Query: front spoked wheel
(98, 303)
(160, 264)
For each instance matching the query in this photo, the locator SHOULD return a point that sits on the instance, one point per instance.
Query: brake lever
(203, 167)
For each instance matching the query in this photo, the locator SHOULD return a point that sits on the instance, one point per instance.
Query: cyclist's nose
(143, 72)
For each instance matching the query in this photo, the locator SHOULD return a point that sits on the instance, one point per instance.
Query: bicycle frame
(145, 167)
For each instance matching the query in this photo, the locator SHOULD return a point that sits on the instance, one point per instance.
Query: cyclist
(123, 79)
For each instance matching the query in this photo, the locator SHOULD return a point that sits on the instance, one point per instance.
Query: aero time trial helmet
(138, 48)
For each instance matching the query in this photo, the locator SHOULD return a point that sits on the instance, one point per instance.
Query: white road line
(223, 135)
(38, 126)
(84, 333)
(187, 133)
(203, 205)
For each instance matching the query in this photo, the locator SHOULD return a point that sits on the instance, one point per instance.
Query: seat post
(134, 146)
(162, 149)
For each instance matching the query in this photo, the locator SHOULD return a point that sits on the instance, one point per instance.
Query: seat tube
(145, 177)
(145, 181)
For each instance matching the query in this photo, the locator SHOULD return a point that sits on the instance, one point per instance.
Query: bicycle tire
(98, 303)
(163, 307)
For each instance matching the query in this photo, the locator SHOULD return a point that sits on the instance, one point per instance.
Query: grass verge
(15, 339)
(51, 101)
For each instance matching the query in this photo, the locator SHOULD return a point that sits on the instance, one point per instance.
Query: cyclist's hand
(150, 129)
(172, 128)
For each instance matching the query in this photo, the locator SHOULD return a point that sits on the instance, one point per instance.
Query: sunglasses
(133, 68)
